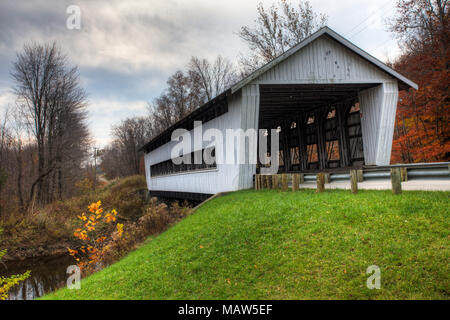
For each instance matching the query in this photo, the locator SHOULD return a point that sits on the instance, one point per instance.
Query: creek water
(47, 275)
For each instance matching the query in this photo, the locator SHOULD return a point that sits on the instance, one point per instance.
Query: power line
(367, 17)
(370, 24)
(383, 43)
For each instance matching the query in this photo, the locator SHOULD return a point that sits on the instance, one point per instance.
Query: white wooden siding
(224, 178)
(324, 61)
(378, 109)
(249, 120)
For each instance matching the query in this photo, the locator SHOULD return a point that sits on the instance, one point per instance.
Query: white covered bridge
(333, 104)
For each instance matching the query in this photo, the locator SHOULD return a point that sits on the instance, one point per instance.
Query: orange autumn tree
(422, 133)
(96, 245)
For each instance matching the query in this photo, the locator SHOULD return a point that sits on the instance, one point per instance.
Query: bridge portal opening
(319, 125)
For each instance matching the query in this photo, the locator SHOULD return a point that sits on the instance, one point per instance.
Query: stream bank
(48, 273)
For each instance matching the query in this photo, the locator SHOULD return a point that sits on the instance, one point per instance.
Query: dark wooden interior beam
(319, 120)
(342, 112)
(301, 125)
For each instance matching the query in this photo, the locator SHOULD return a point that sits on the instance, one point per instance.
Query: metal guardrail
(412, 165)
(436, 174)
(413, 171)
(428, 173)
(377, 175)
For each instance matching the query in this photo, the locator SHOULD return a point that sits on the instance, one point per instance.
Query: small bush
(90, 255)
(157, 218)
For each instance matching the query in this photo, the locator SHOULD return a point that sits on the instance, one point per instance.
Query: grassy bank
(303, 245)
(49, 230)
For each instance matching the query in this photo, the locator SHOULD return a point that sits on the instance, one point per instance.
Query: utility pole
(97, 153)
(95, 167)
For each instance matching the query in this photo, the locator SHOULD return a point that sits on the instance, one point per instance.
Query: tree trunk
(19, 178)
(60, 182)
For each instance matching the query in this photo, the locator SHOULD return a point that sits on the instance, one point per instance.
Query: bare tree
(183, 95)
(423, 25)
(162, 112)
(17, 147)
(277, 29)
(52, 105)
(189, 90)
(5, 140)
(213, 78)
(68, 135)
(12, 158)
(121, 158)
(35, 72)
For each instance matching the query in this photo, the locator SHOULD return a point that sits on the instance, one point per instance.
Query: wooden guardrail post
(284, 182)
(295, 181)
(354, 181)
(275, 181)
(404, 174)
(320, 182)
(267, 181)
(327, 177)
(301, 178)
(396, 181)
(256, 181)
(360, 175)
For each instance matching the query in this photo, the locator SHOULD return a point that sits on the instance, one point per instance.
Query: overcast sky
(126, 50)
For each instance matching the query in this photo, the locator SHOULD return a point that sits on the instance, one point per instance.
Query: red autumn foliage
(422, 133)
